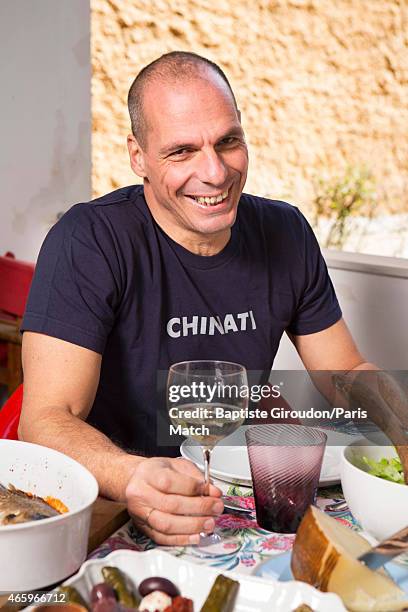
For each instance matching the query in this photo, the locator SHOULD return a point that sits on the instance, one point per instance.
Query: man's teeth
(213, 200)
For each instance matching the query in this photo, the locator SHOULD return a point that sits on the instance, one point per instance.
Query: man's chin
(216, 227)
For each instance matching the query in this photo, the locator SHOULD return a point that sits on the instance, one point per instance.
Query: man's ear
(136, 156)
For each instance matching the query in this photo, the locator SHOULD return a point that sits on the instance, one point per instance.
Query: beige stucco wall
(321, 84)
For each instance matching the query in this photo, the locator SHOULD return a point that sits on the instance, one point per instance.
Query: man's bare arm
(327, 351)
(331, 352)
(60, 382)
(330, 349)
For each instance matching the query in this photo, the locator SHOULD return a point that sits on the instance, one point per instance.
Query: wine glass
(207, 401)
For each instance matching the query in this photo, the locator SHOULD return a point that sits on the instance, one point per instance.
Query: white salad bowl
(39, 553)
(380, 506)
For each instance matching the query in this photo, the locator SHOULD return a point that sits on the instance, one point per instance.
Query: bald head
(174, 67)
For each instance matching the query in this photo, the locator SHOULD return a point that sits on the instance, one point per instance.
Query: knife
(386, 550)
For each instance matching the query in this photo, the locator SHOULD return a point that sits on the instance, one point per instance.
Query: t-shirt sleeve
(76, 285)
(317, 307)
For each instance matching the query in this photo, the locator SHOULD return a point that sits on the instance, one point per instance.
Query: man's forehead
(172, 95)
(188, 103)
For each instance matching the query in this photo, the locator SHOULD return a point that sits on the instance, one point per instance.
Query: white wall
(375, 307)
(45, 118)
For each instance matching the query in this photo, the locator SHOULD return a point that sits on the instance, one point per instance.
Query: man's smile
(210, 200)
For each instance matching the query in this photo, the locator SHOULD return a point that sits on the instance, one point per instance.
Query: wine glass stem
(207, 457)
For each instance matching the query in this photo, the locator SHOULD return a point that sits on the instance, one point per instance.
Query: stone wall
(322, 84)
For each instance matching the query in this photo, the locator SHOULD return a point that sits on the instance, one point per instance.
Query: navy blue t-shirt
(109, 279)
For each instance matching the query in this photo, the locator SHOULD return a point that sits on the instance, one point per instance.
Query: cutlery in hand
(386, 550)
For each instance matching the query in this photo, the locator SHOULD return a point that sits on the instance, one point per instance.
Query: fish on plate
(20, 507)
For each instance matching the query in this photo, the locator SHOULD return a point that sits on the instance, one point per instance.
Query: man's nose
(212, 168)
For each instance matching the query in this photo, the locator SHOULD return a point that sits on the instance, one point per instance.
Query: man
(183, 268)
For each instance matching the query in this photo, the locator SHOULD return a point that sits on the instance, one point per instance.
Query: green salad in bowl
(373, 486)
(387, 468)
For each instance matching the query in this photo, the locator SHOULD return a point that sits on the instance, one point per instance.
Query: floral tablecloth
(254, 544)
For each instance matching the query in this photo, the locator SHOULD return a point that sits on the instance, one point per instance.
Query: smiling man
(184, 267)
(190, 151)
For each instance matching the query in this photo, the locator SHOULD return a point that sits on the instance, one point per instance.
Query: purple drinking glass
(285, 465)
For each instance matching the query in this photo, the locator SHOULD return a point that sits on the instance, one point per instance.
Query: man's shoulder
(111, 204)
(118, 211)
(128, 194)
(268, 209)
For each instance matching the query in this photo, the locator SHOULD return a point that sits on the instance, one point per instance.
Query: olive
(102, 591)
(155, 583)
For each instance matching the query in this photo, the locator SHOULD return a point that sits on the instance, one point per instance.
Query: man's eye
(180, 152)
(229, 140)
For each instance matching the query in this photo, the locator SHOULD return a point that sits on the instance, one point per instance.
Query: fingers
(184, 466)
(172, 530)
(170, 524)
(165, 498)
(147, 496)
(175, 477)
(170, 481)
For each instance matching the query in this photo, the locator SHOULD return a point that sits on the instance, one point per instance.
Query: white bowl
(37, 554)
(380, 506)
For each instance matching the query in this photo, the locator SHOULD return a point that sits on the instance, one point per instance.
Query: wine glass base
(215, 545)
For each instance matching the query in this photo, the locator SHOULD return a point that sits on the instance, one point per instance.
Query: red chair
(15, 281)
(10, 415)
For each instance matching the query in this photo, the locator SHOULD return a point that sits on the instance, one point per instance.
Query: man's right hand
(165, 498)
(169, 492)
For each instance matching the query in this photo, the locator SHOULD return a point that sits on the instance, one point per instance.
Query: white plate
(229, 460)
(195, 581)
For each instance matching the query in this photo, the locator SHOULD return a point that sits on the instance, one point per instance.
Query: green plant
(337, 199)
